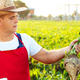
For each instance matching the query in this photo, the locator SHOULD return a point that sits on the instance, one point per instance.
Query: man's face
(9, 23)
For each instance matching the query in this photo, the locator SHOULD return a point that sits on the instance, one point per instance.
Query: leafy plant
(50, 35)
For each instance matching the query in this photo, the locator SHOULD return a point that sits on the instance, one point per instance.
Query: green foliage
(50, 35)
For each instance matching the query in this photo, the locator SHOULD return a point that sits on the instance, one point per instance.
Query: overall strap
(19, 36)
(19, 40)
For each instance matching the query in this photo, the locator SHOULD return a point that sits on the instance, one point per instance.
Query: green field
(50, 35)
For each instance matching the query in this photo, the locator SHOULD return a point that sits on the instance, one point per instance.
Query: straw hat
(7, 6)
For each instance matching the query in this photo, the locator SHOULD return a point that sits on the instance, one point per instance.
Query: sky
(53, 7)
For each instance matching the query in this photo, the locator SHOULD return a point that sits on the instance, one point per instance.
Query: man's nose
(16, 20)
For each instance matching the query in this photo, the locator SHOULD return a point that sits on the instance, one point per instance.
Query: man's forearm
(51, 56)
(56, 55)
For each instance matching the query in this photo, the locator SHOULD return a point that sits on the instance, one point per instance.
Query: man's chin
(12, 32)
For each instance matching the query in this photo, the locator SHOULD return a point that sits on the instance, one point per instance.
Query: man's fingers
(75, 41)
(77, 48)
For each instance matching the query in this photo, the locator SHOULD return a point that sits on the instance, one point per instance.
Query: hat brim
(19, 9)
(3, 13)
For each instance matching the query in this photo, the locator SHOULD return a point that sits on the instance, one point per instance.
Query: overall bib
(14, 63)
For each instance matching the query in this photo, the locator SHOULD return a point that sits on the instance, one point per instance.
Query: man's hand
(72, 43)
(77, 48)
(75, 45)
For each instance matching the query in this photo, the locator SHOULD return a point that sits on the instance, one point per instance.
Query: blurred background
(53, 24)
(51, 9)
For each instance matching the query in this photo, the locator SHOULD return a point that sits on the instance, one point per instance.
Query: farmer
(15, 48)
